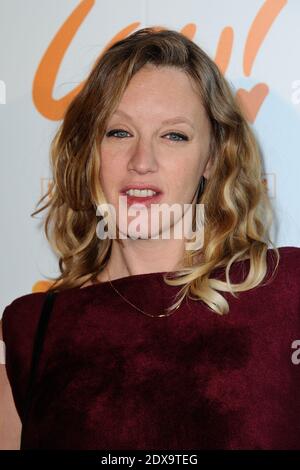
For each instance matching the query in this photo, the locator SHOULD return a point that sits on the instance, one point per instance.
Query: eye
(117, 131)
(179, 137)
(121, 134)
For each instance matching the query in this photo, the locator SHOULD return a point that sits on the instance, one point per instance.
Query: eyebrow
(174, 120)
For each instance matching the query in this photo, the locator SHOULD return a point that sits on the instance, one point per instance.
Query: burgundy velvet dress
(112, 378)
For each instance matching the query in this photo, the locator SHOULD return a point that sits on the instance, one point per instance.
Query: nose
(142, 157)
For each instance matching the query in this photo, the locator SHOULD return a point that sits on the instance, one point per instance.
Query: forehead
(167, 92)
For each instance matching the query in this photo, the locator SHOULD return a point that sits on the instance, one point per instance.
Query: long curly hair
(238, 212)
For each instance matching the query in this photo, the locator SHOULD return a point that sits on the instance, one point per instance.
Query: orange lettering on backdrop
(224, 49)
(41, 286)
(252, 100)
(259, 30)
(46, 74)
(189, 30)
(48, 68)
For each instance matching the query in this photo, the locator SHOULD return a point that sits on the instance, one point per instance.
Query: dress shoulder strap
(36, 353)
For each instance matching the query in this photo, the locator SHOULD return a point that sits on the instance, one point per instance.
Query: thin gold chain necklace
(137, 308)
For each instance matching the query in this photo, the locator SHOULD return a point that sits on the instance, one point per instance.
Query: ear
(208, 167)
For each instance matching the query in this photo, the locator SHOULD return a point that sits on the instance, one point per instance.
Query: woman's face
(161, 138)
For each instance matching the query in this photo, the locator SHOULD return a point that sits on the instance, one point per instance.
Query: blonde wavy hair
(238, 212)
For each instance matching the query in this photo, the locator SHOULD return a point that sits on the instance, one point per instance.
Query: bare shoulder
(10, 423)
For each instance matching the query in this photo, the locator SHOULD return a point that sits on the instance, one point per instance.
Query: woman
(148, 343)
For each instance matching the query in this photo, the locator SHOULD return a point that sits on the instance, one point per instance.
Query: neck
(142, 256)
(130, 257)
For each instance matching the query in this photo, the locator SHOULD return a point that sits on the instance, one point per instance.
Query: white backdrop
(264, 61)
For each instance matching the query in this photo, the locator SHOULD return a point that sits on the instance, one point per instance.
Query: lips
(141, 186)
(147, 200)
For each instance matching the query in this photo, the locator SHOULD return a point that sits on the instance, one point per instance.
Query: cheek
(186, 175)
(186, 179)
(108, 181)
(110, 173)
